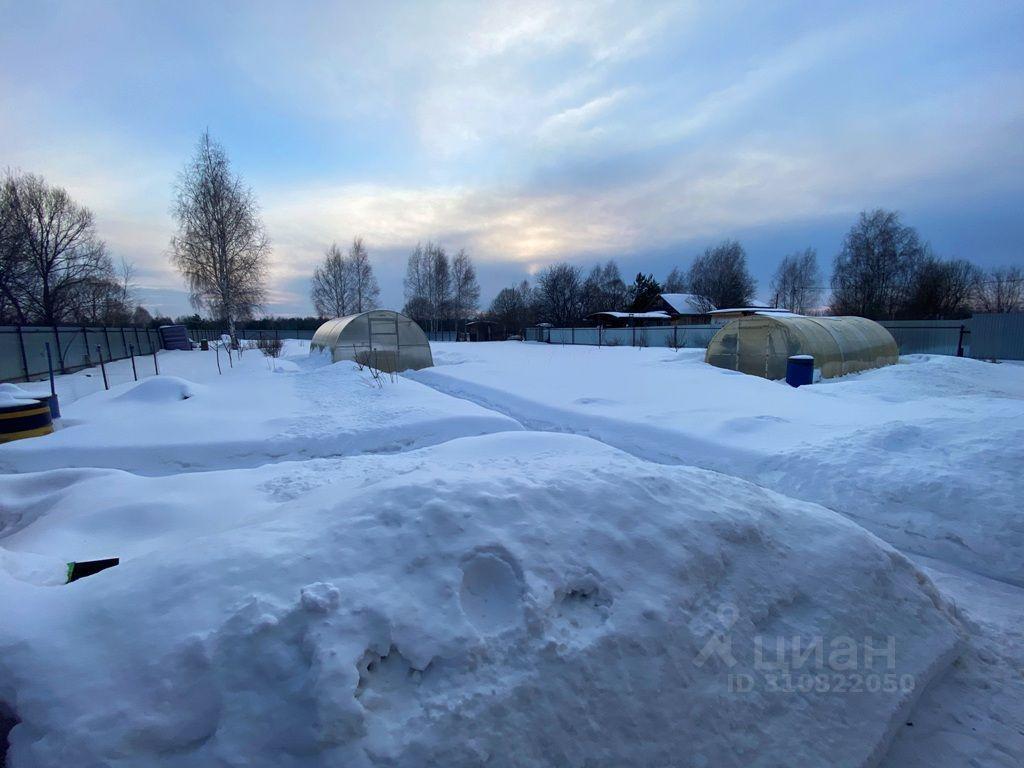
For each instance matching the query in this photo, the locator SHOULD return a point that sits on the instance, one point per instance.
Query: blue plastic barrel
(800, 370)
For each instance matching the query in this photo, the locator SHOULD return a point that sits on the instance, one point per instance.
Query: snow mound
(513, 599)
(13, 390)
(159, 389)
(13, 395)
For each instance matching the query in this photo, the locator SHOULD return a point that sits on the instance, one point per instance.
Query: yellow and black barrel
(29, 418)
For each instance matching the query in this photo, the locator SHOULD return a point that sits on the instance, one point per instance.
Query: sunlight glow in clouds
(527, 132)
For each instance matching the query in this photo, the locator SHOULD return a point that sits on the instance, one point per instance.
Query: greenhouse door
(383, 333)
(752, 346)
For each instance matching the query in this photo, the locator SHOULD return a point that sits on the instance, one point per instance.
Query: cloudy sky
(527, 132)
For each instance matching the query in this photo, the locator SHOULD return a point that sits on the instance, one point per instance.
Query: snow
(528, 555)
(654, 315)
(252, 415)
(12, 396)
(926, 454)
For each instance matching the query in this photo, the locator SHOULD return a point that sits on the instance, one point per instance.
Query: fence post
(110, 351)
(99, 351)
(60, 355)
(138, 344)
(24, 357)
(633, 342)
(675, 336)
(960, 342)
(156, 365)
(131, 352)
(124, 339)
(85, 343)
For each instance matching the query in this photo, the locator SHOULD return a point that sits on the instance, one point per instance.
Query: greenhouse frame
(380, 338)
(760, 345)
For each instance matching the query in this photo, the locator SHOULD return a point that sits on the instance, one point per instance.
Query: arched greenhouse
(379, 338)
(761, 344)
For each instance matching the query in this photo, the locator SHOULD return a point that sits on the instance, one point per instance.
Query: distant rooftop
(684, 303)
(752, 311)
(643, 315)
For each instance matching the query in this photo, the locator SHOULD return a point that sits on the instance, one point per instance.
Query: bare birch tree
(720, 279)
(512, 307)
(675, 282)
(465, 289)
(53, 252)
(331, 290)
(797, 282)
(365, 290)
(12, 265)
(874, 272)
(559, 294)
(417, 305)
(221, 247)
(1000, 290)
(439, 284)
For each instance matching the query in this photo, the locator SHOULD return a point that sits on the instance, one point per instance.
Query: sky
(527, 132)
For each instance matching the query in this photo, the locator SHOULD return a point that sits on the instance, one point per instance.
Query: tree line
(55, 269)
(883, 271)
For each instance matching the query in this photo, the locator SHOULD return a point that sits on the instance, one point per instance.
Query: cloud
(525, 132)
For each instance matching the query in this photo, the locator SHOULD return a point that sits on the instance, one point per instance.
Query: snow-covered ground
(927, 453)
(317, 570)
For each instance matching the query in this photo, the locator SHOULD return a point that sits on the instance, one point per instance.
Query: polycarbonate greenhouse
(380, 338)
(761, 345)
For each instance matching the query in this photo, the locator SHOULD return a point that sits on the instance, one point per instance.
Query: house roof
(752, 311)
(658, 315)
(683, 303)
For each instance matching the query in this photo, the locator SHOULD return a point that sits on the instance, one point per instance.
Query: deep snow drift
(517, 598)
(319, 571)
(927, 453)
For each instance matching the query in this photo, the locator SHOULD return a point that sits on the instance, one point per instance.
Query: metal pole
(24, 357)
(54, 404)
(49, 365)
(106, 335)
(124, 339)
(99, 351)
(131, 352)
(156, 365)
(960, 342)
(216, 351)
